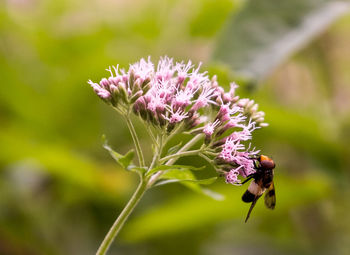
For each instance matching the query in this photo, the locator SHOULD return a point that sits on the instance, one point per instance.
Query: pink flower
(182, 99)
(204, 97)
(175, 117)
(230, 96)
(100, 90)
(235, 153)
(156, 104)
(182, 71)
(235, 121)
(245, 162)
(165, 69)
(226, 112)
(142, 70)
(232, 176)
(209, 128)
(229, 149)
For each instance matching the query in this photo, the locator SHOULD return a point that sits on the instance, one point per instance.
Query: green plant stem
(186, 147)
(143, 186)
(136, 140)
(180, 154)
(210, 161)
(118, 224)
(173, 133)
(171, 161)
(156, 156)
(206, 158)
(150, 133)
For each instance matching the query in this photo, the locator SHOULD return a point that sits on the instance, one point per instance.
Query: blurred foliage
(194, 211)
(60, 191)
(265, 32)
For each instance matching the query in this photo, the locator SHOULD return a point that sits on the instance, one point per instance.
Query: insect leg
(251, 208)
(248, 178)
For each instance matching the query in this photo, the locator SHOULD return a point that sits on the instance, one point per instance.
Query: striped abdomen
(254, 191)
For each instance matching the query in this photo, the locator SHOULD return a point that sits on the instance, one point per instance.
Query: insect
(262, 183)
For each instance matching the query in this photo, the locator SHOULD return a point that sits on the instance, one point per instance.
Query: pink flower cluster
(229, 132)
(177, 93)
(171, 93)
(123, 88)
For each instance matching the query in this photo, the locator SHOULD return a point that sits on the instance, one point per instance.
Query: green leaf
(180, 175)
(127, 158)
(266, 32)
(188, 179)
(123, 160)
(136, 169)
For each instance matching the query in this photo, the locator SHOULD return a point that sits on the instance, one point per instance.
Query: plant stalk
(118, 224)
(186, 147)
(141, 189)
(136, 141)
(171, 161)
(180, 154)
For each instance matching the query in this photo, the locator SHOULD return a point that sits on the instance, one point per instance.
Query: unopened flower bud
(261, 119)
(113, 88)
(146, 88)
(136, 96)
(193, 121)
(131, 78)
(223, 112)
(161, 120)
(254, 108)
(263, 124)
(104, 83)
(242, 102)
(136, 87)
(146, 81)
(250, 104)
(122, 92)
(214, 81)
(104, 94)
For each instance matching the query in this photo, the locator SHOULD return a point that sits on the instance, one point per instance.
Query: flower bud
(250, 104)
(131, 78)
(263, 124)
(136, 87)
(122, 92)
(243, 102)
(146, 87)
(104, 83)
(223, 112)
(193, 121)
(135, 96)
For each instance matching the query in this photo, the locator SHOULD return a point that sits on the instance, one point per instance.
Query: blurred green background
(60, 191)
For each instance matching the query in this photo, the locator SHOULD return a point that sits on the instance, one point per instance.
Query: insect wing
(270, 197)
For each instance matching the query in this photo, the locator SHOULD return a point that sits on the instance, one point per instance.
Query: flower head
(170, 94)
